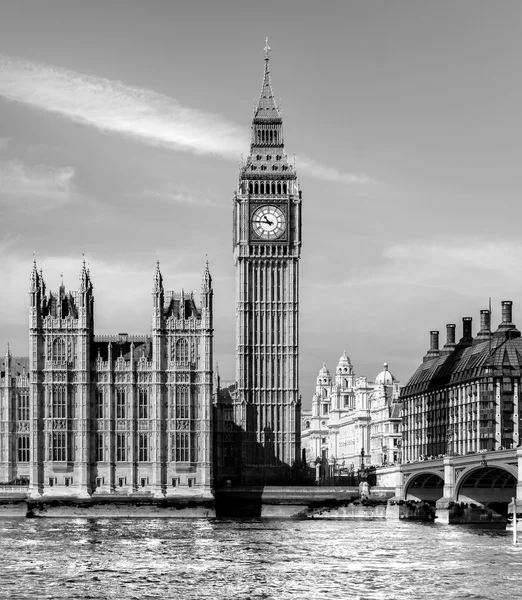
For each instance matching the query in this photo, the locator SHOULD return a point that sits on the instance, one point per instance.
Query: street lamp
(484, 462)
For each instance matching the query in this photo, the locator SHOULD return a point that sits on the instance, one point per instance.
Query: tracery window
(182, 351)
(120, 403)
(99, 403)
(100, 450)
(143, 449)
(143, 403)
(59, 402)
(23, 406)
(23, 448)
(182, 402)
(59, 446)
(59, 354)
(121, 447)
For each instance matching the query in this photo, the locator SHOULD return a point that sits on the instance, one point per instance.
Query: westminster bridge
(485, 478)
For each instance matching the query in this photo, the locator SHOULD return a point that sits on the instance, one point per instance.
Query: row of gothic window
(183, 447)
(264, 168)
(181, 408)
(267, 188)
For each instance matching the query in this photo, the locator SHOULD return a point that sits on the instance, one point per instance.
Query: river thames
(269, 559)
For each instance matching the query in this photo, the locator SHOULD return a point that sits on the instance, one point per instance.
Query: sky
(123, 123)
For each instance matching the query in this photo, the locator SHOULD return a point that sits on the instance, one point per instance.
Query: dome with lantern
(385, 377)
(324, 373)
(344, 367)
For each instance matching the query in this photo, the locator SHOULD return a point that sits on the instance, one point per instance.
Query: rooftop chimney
(507, 326)
(433, 352)
(485, 326)
(449, 346)
(467, 338)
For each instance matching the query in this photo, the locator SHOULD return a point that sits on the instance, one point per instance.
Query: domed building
(351, 414)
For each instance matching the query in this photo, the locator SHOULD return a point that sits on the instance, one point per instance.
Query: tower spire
(267, 108)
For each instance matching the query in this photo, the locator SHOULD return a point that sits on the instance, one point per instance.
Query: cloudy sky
(122, 125)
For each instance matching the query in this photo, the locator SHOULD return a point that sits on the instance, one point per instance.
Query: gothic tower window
(100, 454)
(99, 403)
(59, 404)
(59, 350)
(143, 403)
(143, 447)
(256, 189)
(182, 446)
(59, 446)
(23, 448)
(121, 447)
(120, 403)
(250, 190)
(278, 188)
(23, 407)
(183, 402)
(284, 188)
(182, 351)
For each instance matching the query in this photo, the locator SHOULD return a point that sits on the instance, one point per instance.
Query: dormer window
(278, 157)
(263, 168)
(268, 157)
(274, 168)
(258, 157)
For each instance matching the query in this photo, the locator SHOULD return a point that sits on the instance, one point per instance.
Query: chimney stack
(485, 325)
(467, 324)
(433, 352)
(507, 312)
(507, 326)
(449, 346)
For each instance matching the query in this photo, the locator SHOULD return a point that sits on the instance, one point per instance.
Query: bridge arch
(492, 485)
(427, 486)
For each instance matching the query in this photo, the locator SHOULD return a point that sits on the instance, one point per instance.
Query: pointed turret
(34, 278)
(158, 280)
(84, 278)
(206, 283)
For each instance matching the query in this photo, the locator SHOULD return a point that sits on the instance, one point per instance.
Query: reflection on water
(152, 558)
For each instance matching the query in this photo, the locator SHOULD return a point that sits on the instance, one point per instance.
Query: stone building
(464, 397)
(90, 414)
(351, 414)
(258, 419)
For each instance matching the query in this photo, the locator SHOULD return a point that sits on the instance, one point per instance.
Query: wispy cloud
(327, 173)
(4, 142)
(171, 194)
(146, 115)
(115, 107)
(38, 185)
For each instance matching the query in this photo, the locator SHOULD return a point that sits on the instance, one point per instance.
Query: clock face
(268, 222)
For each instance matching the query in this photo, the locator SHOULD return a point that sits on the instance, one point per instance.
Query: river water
(269, 559)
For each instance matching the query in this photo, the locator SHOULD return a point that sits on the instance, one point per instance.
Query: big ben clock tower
(267, 247)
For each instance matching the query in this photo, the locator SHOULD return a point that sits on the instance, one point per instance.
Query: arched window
(325, 393)
(182, 402)
(258, 136)
(182, 351)
(250, 188)
(284, 188)
(59, 349)
(278, 188)
(273, 188)
(256, 189)
(275, 136)
(262, 188)
(271, 136)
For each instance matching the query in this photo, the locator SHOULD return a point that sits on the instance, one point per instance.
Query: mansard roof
(501, 356)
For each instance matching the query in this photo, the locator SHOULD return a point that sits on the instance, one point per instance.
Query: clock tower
(267, 247)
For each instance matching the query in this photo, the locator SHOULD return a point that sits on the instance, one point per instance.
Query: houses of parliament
(86, 414)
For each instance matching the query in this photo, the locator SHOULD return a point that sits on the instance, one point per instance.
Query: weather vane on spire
(267, 49)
